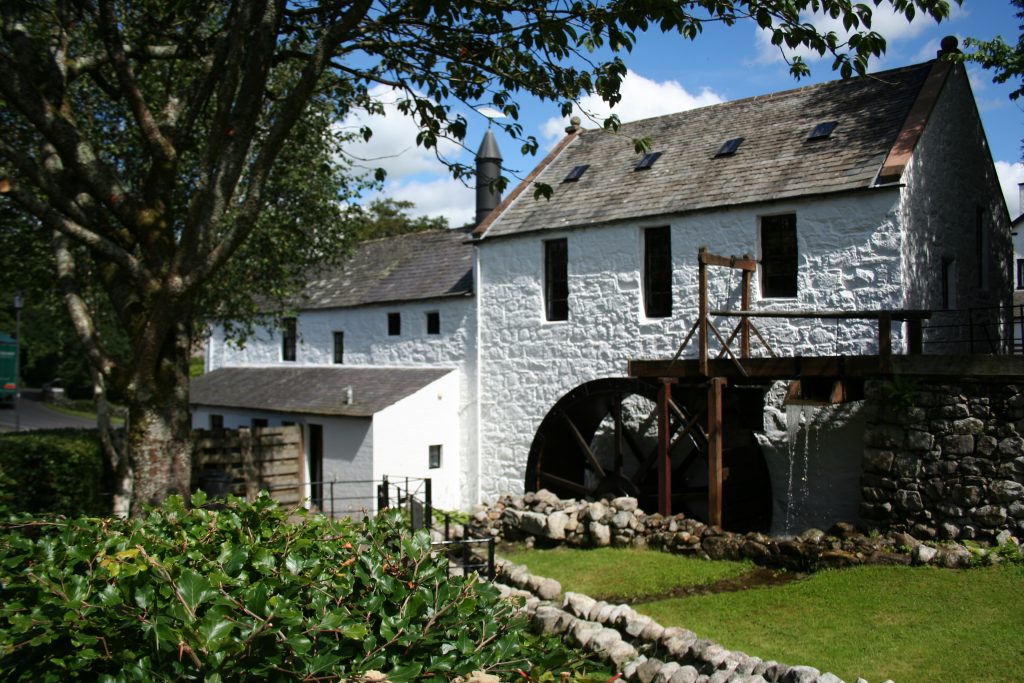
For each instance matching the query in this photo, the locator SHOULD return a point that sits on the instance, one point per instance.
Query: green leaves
(243, 594)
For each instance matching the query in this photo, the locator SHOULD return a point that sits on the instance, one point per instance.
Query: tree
(387, 217)
(1007, 60)
(181, 156)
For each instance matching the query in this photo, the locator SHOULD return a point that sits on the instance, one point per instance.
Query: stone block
(957, 444)
(989, 515)
(666, 672)
(578, 603)
(906, 466)
(602, 641)
(652, 632)
(922, 554)
(646, 672)
(620, 653)
(918, 440)
(968, 425)
(986, 446)
(533, 523)
(801, 674)
(556, 524)
(1010, 448)
(627, 503)
(829, 677)
(909, 501)
(884, 437)
(1007, 491)
(685, 674)
(582, 631)
(600, 534)
(623, 520)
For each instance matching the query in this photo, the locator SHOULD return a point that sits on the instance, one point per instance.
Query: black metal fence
(984, 330)
(414, 496)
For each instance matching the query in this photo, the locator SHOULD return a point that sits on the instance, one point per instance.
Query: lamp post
(19, 302)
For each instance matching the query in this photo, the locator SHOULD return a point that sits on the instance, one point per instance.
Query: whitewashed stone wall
(849, 248)
(367, 343)
(941, 208)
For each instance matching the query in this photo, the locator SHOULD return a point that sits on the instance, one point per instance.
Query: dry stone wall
(945, 461)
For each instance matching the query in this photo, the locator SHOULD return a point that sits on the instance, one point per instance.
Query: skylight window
(823, 130)
(647, 161)
(576, 173)
(729, 147)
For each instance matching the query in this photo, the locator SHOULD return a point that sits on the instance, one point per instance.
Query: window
(216, 422)
(433, 322)
(576, 173)
(394, 324)
(339, 348)
(981, 248)
(657, 272)
(948, 283)
(778, 256)
(556, 279)
(1020, 273)
(435, 457)
(259, 422)
(288, 337)
(316, 466)
(647, 161)
(823, 130)
(729, 147)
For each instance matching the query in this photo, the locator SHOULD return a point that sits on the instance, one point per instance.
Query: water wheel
(600, 441)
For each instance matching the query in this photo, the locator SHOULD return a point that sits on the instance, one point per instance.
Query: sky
(669, 74)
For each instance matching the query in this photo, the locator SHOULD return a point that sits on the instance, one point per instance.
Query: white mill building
(441, 354)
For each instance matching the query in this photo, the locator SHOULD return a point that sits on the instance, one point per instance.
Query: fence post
(428, 512)
(490, 558)
(332, 498)
(447, 526)
(382, 494)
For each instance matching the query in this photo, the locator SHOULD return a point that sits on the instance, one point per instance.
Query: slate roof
(775, 160)
(423, 265)
(312, 390)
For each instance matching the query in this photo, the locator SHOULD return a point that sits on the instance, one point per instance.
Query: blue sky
(669, 74)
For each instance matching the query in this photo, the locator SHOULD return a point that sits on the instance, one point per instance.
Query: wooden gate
(262, 459)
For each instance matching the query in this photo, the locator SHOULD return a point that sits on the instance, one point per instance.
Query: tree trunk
(159, 430)
(160, 448)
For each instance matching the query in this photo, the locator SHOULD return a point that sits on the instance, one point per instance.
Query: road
(32, 413)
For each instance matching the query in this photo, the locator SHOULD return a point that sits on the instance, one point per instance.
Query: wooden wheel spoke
(616, 409)
(566, 484)
(585, 447)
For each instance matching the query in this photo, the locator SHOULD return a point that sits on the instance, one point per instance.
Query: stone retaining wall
(544, 519)
(944, 461)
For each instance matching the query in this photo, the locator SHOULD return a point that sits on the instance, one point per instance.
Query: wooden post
(745, 306)
(915, 336)
(664, 449)
(702, 311)
(885, 340)
(715, 438)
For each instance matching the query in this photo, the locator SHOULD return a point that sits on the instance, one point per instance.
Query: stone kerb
(544, 519)
(640, 648)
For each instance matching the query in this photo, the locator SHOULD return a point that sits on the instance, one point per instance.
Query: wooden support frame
(716, 477)
(665, 447)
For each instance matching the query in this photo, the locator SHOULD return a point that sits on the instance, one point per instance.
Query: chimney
(948, 46)
(488, 169)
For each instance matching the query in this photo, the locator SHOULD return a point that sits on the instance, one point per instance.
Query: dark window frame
(658, 272)
(556, 279)
(339, 347)
(1020, 273)
(216, 422)
(259, 423)
(289, 339)
(433, 322)
(434, 455)
(948, 286)
(780, 258)
(394, 324)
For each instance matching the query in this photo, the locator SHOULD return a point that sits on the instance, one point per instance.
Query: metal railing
(979, 329)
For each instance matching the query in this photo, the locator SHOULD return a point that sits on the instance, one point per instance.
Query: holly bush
(243, 593)
(57, 471)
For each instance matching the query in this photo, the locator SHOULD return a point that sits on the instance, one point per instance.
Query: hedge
(242, 593)
(61, 471)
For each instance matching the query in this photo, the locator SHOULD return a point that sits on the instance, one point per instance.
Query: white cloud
(641, 98)
(1010, 174)
(393, 144)
(442, 196)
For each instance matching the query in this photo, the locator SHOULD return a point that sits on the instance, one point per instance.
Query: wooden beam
(585, 447)
(664, 448)
(744, 262)
(702, 311)
(715, 439)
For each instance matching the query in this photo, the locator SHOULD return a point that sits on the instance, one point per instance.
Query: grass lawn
(910, 624)
(904, 623)
(624, 573)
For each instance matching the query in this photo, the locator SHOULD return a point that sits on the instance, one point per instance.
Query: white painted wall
(367, 343)
(949, 176)
(403, 433)
(849, 248)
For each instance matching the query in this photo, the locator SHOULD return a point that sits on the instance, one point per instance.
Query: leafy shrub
(59, 471)
(241, 593)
